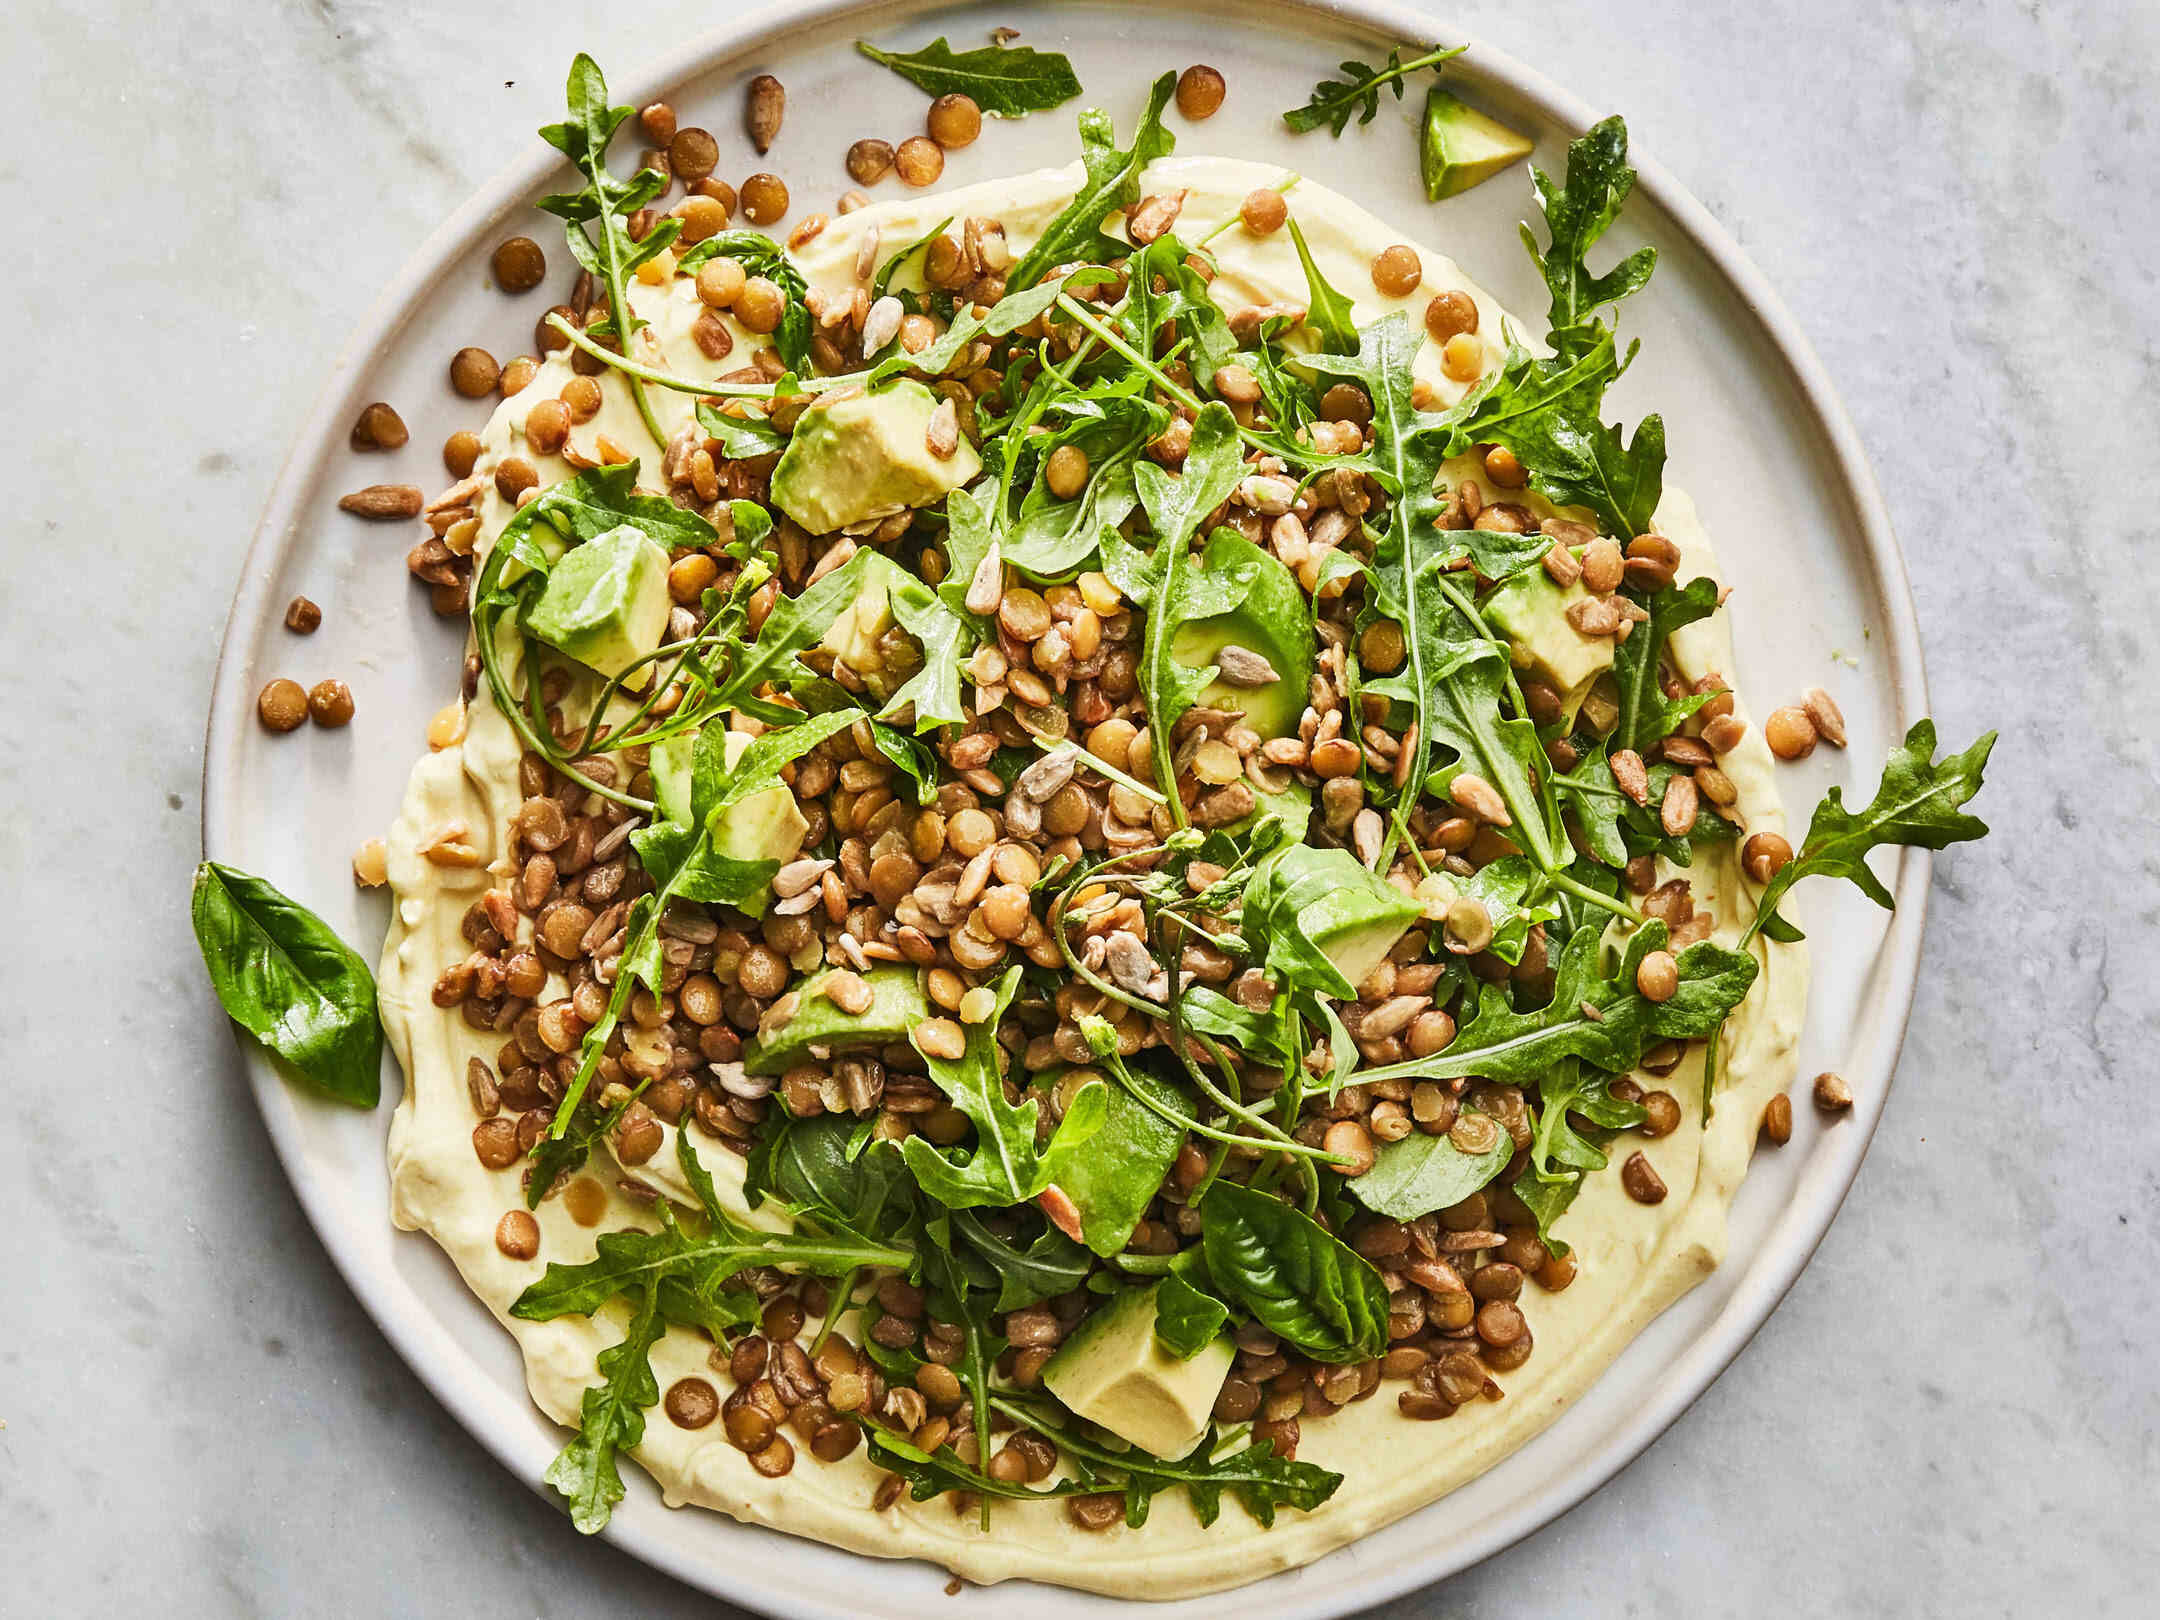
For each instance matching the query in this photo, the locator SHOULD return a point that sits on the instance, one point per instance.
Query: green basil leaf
(285, 978)
(1113, 1175)
(1186, 1320)
(1298, 1281)
(1422, 1173)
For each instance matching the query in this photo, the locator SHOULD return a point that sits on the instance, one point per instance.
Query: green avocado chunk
(897, 1005)
(1351, 916)
(867, 456)
(1113, 1372)
(767, 826)
(1463, 148)
(1272, 623)
(1532, 610)
(606, 602)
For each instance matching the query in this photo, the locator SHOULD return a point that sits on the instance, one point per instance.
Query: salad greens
(285, 978)
(1005, 81)
(1334, 101)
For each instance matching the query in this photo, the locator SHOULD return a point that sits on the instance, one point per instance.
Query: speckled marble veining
(1956, 1410)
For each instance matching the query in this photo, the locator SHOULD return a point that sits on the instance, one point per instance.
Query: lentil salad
(1053, 1004)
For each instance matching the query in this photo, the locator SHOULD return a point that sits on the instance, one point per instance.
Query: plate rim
(1787, 1246)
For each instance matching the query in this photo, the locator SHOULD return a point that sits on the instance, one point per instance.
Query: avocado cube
(867, 456)
(1532, 611)
(767, 826)
(897, 1005)
(1464, 148)
(1272, 621)
(1112, 1372)
(606, 602)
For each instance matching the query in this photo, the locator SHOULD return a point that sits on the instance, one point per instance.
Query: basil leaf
(1422, 1173)
(1186, 1320)
(1113, 1175)
(1299, 1282)
(612, 1419)
(1005, 81)
(285, 978)
(1113, 182)
(1917, 804)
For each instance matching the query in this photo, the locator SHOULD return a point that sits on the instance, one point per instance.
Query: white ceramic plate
(1756, 436)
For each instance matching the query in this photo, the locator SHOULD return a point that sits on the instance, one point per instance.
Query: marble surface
(1955, 1412)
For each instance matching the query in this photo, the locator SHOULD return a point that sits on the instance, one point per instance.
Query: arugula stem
(1284, 186)
(1589, 896)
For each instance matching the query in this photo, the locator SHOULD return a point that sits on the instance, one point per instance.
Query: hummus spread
(1634, 1260)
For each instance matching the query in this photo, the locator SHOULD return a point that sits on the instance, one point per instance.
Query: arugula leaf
(1504, 888)
(1005, 81)
(1576, 215)
(1917, 804)
(1463, 711)
(1052, 539)
(1422, 1173)
(1187, 1321)
(932, 1474)
(1258, 1478)
(1646, 714)
(760, 255)
(1547, 1201)
(1113, 182)
(1299, 1282)
(813, 1168)
(291, 983)
(796, 623)
(1051, 1264)
(1173, 591)
(1518, 1048)
(1303, 898)
(1572, 1087)
(1329, 312)
(596, 218)
(1005, 1168)
(967, 541)
(1358, 91)
(612, 1420)
(1576, 460)
(702, 1263)
(892, 267)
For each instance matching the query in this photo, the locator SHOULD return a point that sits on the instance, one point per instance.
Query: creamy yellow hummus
(1634, 1260)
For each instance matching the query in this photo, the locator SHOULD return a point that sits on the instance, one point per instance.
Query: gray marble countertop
(1955, 1412)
